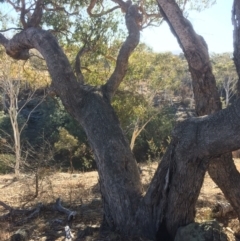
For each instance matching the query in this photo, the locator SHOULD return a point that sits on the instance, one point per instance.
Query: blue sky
(214, 24)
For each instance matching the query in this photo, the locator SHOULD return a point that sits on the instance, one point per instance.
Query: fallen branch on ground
(14, 212)
(58, 206)
(34, 212)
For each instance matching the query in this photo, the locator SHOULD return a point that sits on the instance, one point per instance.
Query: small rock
(43, 239)
(20, 235)
(207, 231)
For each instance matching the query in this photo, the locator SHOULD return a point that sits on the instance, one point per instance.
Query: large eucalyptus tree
(197, 144)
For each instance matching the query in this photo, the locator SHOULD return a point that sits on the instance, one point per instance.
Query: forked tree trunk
(222, 169)
(174, 190)
(90, 106)
(172, 195)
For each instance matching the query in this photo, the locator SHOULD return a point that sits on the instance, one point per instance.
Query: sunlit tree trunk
(12, 88)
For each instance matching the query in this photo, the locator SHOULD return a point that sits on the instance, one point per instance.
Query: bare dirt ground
(80, 192)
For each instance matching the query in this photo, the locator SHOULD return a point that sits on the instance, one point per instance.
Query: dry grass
(5, 233)
(80, 192)
(77, 191)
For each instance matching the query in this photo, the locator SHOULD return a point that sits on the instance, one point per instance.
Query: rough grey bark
(195, 50)
(118, 172)
(222, 169)
(173, 192)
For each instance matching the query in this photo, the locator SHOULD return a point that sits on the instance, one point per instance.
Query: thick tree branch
(64, 82)
(35, 19)
(209, 140)
(221, 169)
(78, 64)
(3, 40)
(196, 51)
(132, 21)
(194, 143)
(120, 184)
(22, 54)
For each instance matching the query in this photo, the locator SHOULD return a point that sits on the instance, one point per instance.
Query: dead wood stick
(35, 213)
(6, 206)
(58, 206)
(15, 212)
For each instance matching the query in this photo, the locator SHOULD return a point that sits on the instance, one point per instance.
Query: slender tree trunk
(137, 131)
(227, 98)
(37, 183)
(17, 143)
(70, 161)
(12, 89)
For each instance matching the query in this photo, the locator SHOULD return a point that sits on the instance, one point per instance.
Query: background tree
(146, 97)
(69, 143)
(225, 72)
(11, 83)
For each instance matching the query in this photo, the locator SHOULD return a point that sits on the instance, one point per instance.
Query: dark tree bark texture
(206, 97)
(119, 176)
(170, 200)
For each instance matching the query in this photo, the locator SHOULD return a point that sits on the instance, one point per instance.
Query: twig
(36, 211)
(5, 30)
